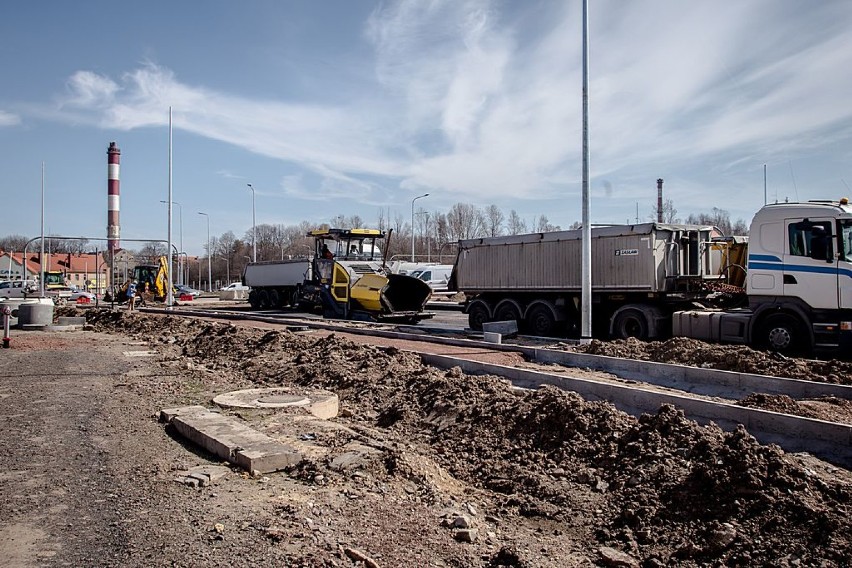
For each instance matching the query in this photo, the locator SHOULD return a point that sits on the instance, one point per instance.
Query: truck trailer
(787, 286)
(346, 277)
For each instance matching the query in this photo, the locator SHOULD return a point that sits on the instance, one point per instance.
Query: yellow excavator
(152, 281)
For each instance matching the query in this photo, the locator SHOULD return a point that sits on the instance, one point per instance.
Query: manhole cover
(284, 399)
(322, 404)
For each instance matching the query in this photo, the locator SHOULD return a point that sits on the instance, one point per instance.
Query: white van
(437, 276)
(18, 288)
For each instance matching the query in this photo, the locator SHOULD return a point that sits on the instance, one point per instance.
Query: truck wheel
(476, 316)
(253, 300)
(263, 300)
(782, 333)
(274, 299)
(630, 323)
(540, 321)
(507, 312)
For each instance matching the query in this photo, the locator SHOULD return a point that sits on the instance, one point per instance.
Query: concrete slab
(71, 320)
(505, 328)
(492, 337)
(230, 439)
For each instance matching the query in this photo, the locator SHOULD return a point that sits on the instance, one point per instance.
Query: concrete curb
(694, 379)
(827, 440)
(230, 439)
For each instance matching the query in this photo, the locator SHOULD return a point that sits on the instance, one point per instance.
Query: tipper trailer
(787, 286)
(345, 278)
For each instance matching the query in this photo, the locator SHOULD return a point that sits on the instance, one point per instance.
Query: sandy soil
(452, 470)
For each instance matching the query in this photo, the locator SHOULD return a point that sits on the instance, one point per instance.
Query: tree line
(435, 235)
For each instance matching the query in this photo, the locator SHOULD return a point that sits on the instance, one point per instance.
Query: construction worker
(131, 295)
(327, 253)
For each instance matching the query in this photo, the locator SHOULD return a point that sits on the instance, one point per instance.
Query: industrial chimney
(113, 227)
(660, 200)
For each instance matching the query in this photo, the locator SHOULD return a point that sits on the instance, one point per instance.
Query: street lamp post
(209, 253)
(227, 269)
(412, 222)
(253, 227)
(180, 262)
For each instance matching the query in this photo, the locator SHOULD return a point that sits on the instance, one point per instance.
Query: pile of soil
(740, 358)
(655, 491)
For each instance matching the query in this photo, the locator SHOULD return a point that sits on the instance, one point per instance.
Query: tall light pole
(209, 253)
(412, 222)
(180, 262)
(253, 227)
(227, 269)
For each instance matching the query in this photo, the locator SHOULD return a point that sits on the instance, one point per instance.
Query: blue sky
(356, 107)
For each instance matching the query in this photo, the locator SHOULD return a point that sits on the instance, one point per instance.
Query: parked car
(235, 286)
(18, 288)
(184, 290)
(76, 295)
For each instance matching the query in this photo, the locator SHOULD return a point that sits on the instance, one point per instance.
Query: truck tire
(263, 300)
(508, 311)
(477, 315)
(630, 323)
(782, 333)
(254, 300)
(274, 299)
(540, 321)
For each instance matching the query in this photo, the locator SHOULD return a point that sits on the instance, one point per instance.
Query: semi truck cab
(800, 275)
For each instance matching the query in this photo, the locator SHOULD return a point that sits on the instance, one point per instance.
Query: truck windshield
(846, 239)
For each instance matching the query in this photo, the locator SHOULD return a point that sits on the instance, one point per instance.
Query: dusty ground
(542, 477)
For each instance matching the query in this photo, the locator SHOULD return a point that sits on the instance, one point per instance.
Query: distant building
(83, 270)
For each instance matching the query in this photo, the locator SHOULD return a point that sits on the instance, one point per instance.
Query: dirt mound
(660, 488)
(695, 353)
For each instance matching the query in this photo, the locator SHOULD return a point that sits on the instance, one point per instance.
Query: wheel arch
(510, 302)
(790, 310)
(655, 318)
(558, 315)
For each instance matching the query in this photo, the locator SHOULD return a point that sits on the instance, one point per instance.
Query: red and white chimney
(113, 227)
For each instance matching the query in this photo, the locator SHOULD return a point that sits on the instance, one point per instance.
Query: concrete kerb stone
(230, 439)
(828, 440)
(505, 328)
(492, 337)
(694, 379)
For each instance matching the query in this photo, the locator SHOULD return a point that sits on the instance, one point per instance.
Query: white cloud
(9, 119)
(471, 101)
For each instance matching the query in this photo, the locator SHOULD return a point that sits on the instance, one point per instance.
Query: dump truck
(345, 277)
(786, 286)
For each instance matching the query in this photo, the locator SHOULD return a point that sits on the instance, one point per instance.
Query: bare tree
(13, 242)
(542, 225)
(494, 220)
(719, 218)
(669, 212)
(151, 252)
(465, 221)
(516, 225)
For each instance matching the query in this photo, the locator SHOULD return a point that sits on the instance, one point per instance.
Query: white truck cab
(799, 279)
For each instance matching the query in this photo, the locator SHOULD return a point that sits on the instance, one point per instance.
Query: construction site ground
(422, 467)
